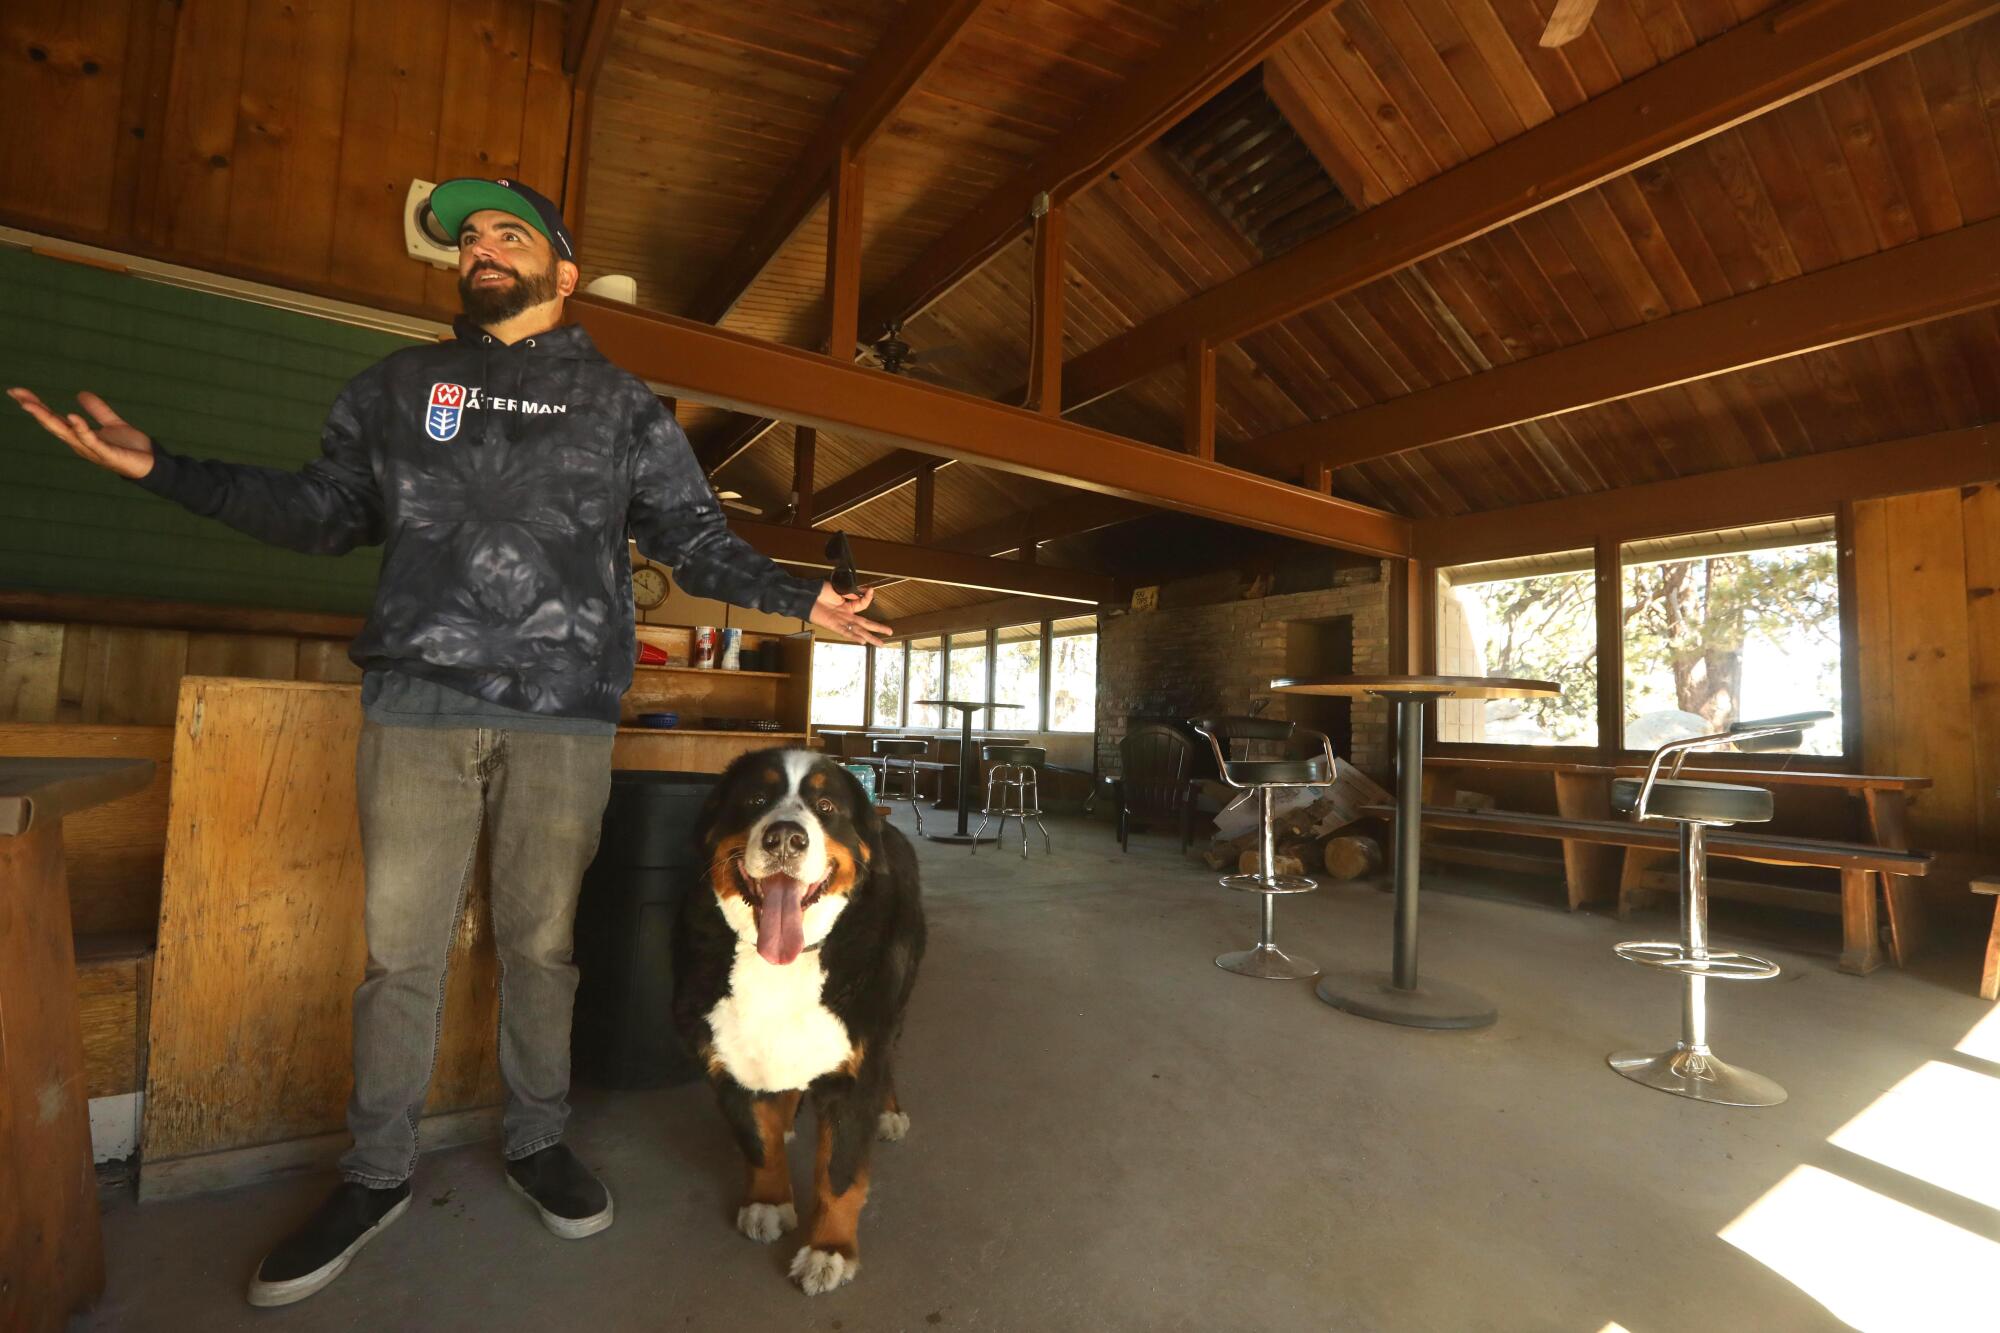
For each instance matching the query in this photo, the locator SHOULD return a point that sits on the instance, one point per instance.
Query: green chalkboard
(206, 375)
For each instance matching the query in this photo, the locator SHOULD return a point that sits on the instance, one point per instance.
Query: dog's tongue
(781, 932)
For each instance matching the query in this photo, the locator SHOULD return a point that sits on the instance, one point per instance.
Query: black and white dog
(791, 977)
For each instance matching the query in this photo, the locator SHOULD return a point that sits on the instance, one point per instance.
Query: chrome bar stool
(1264, 776)
(891, 749)
(1690, 1068)
(1017, 770)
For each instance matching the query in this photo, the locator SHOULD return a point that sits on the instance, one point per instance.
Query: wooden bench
(1858, 863)
(1989, 976)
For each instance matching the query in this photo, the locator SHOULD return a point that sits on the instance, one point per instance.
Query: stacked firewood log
(1308, 840)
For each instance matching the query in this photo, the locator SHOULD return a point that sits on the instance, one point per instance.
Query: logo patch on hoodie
(446, 408)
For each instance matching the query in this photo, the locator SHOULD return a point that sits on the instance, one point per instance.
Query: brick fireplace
(1181, 660)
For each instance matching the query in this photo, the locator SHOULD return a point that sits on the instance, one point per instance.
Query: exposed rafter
(1212, 49)
(1745, 72)
(713, 365)
(930, 564)
(1763, 493)
(871, 481)
(586, 39)
(919, 37)
(982, 615)
(1930, 279)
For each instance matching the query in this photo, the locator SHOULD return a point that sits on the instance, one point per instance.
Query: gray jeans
(424, 795)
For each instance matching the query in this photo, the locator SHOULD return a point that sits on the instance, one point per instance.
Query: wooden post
(1046, 295)
(843, 257)
(1610, 651)
(1199, 432)
(805, 447)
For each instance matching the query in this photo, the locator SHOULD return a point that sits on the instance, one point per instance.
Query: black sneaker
(320, 1251)
(573, 1203)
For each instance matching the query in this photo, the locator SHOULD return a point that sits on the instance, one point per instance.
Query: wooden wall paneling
(62, 69)
(30, 671)
(288, 136)
(1932, 659)
(261, 940)
(479, 123)
(259, 656)
(326, 660)
(111, 995)
(1880, 752)
(133, 675)
(1980, 509)
(389, 129)
(545, 107)
(197, 150)
(142, 113)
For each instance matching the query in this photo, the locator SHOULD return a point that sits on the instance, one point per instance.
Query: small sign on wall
(1146, 599)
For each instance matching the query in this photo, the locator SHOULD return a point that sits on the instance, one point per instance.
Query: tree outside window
(1017, 676)
(1073, 675)
(888, 701)
(926, 680)
(1724, 627)
(1535, 619)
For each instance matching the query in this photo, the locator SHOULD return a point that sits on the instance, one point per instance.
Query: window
(1534, 618)
(966, 678)
(1017, 677)
(926, 680)
(1726, 626)
(840, 671)
(887, 708)
(1073, 675)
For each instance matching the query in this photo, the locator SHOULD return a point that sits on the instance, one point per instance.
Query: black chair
(1157, 783)
(1690, 1068)
(1264, 776)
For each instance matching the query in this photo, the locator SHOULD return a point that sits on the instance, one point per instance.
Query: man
(502, 472)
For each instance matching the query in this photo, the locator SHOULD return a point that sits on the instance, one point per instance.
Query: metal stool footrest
(1672, 956)
(1275, 884)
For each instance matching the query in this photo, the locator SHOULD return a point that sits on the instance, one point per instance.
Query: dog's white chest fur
(771, 1032)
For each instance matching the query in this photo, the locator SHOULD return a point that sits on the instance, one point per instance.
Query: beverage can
(704, 646)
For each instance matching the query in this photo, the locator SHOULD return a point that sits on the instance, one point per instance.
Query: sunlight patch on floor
(1983, 1042)
(1877, 1264)
(1937, 1125)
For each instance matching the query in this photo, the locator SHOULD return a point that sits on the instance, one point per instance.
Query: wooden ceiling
(703, 106)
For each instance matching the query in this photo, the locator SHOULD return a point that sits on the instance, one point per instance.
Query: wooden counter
(51, 1247)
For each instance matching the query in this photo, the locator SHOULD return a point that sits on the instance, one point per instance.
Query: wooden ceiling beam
(871, 481)
(929, 564)
(1071, 516)
(982, 615)
(728, 442)
(716, 366)
(1790, 488)
(918, 38)
(1045, 313)
(1944, 275)
(586, 40)
(1213, 48)
(1751, 69)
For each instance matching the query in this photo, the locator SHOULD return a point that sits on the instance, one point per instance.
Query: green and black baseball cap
(453, 201)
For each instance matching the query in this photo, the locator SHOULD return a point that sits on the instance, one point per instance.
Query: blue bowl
(659, 721)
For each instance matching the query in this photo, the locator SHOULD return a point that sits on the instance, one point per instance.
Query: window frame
(987, 640)
(1607, 547)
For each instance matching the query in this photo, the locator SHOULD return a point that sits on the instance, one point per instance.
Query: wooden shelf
(713, 672)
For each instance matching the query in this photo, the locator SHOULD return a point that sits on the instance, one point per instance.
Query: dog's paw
(765, 1222)
(818, 1271)
(892, 1125)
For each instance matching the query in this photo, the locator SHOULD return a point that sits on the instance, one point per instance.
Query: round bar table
(968, 767)
(1396, 996)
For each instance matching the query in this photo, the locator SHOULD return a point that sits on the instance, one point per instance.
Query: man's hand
(842, 615)
(110, 444)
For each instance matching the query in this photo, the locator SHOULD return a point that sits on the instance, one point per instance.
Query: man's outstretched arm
(328, 508)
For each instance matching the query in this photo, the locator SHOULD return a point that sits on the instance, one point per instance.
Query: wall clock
(649, 586)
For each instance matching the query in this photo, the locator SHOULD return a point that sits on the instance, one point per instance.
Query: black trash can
(646, 862)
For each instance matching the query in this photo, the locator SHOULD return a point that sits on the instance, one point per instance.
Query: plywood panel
(1980, 507)
(261, 942)
(111, 1004)
(1929, 641)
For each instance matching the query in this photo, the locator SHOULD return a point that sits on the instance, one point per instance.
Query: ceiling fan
(734, 500)
(895, 357)
(1571, 17)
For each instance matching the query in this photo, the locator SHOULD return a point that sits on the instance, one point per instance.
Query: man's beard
(491, 305)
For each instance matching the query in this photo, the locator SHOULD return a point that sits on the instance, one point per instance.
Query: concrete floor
(1109, 1133)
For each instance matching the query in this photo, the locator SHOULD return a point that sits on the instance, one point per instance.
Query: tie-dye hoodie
(502, 481)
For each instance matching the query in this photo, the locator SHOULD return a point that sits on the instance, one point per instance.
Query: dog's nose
(786, 839)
